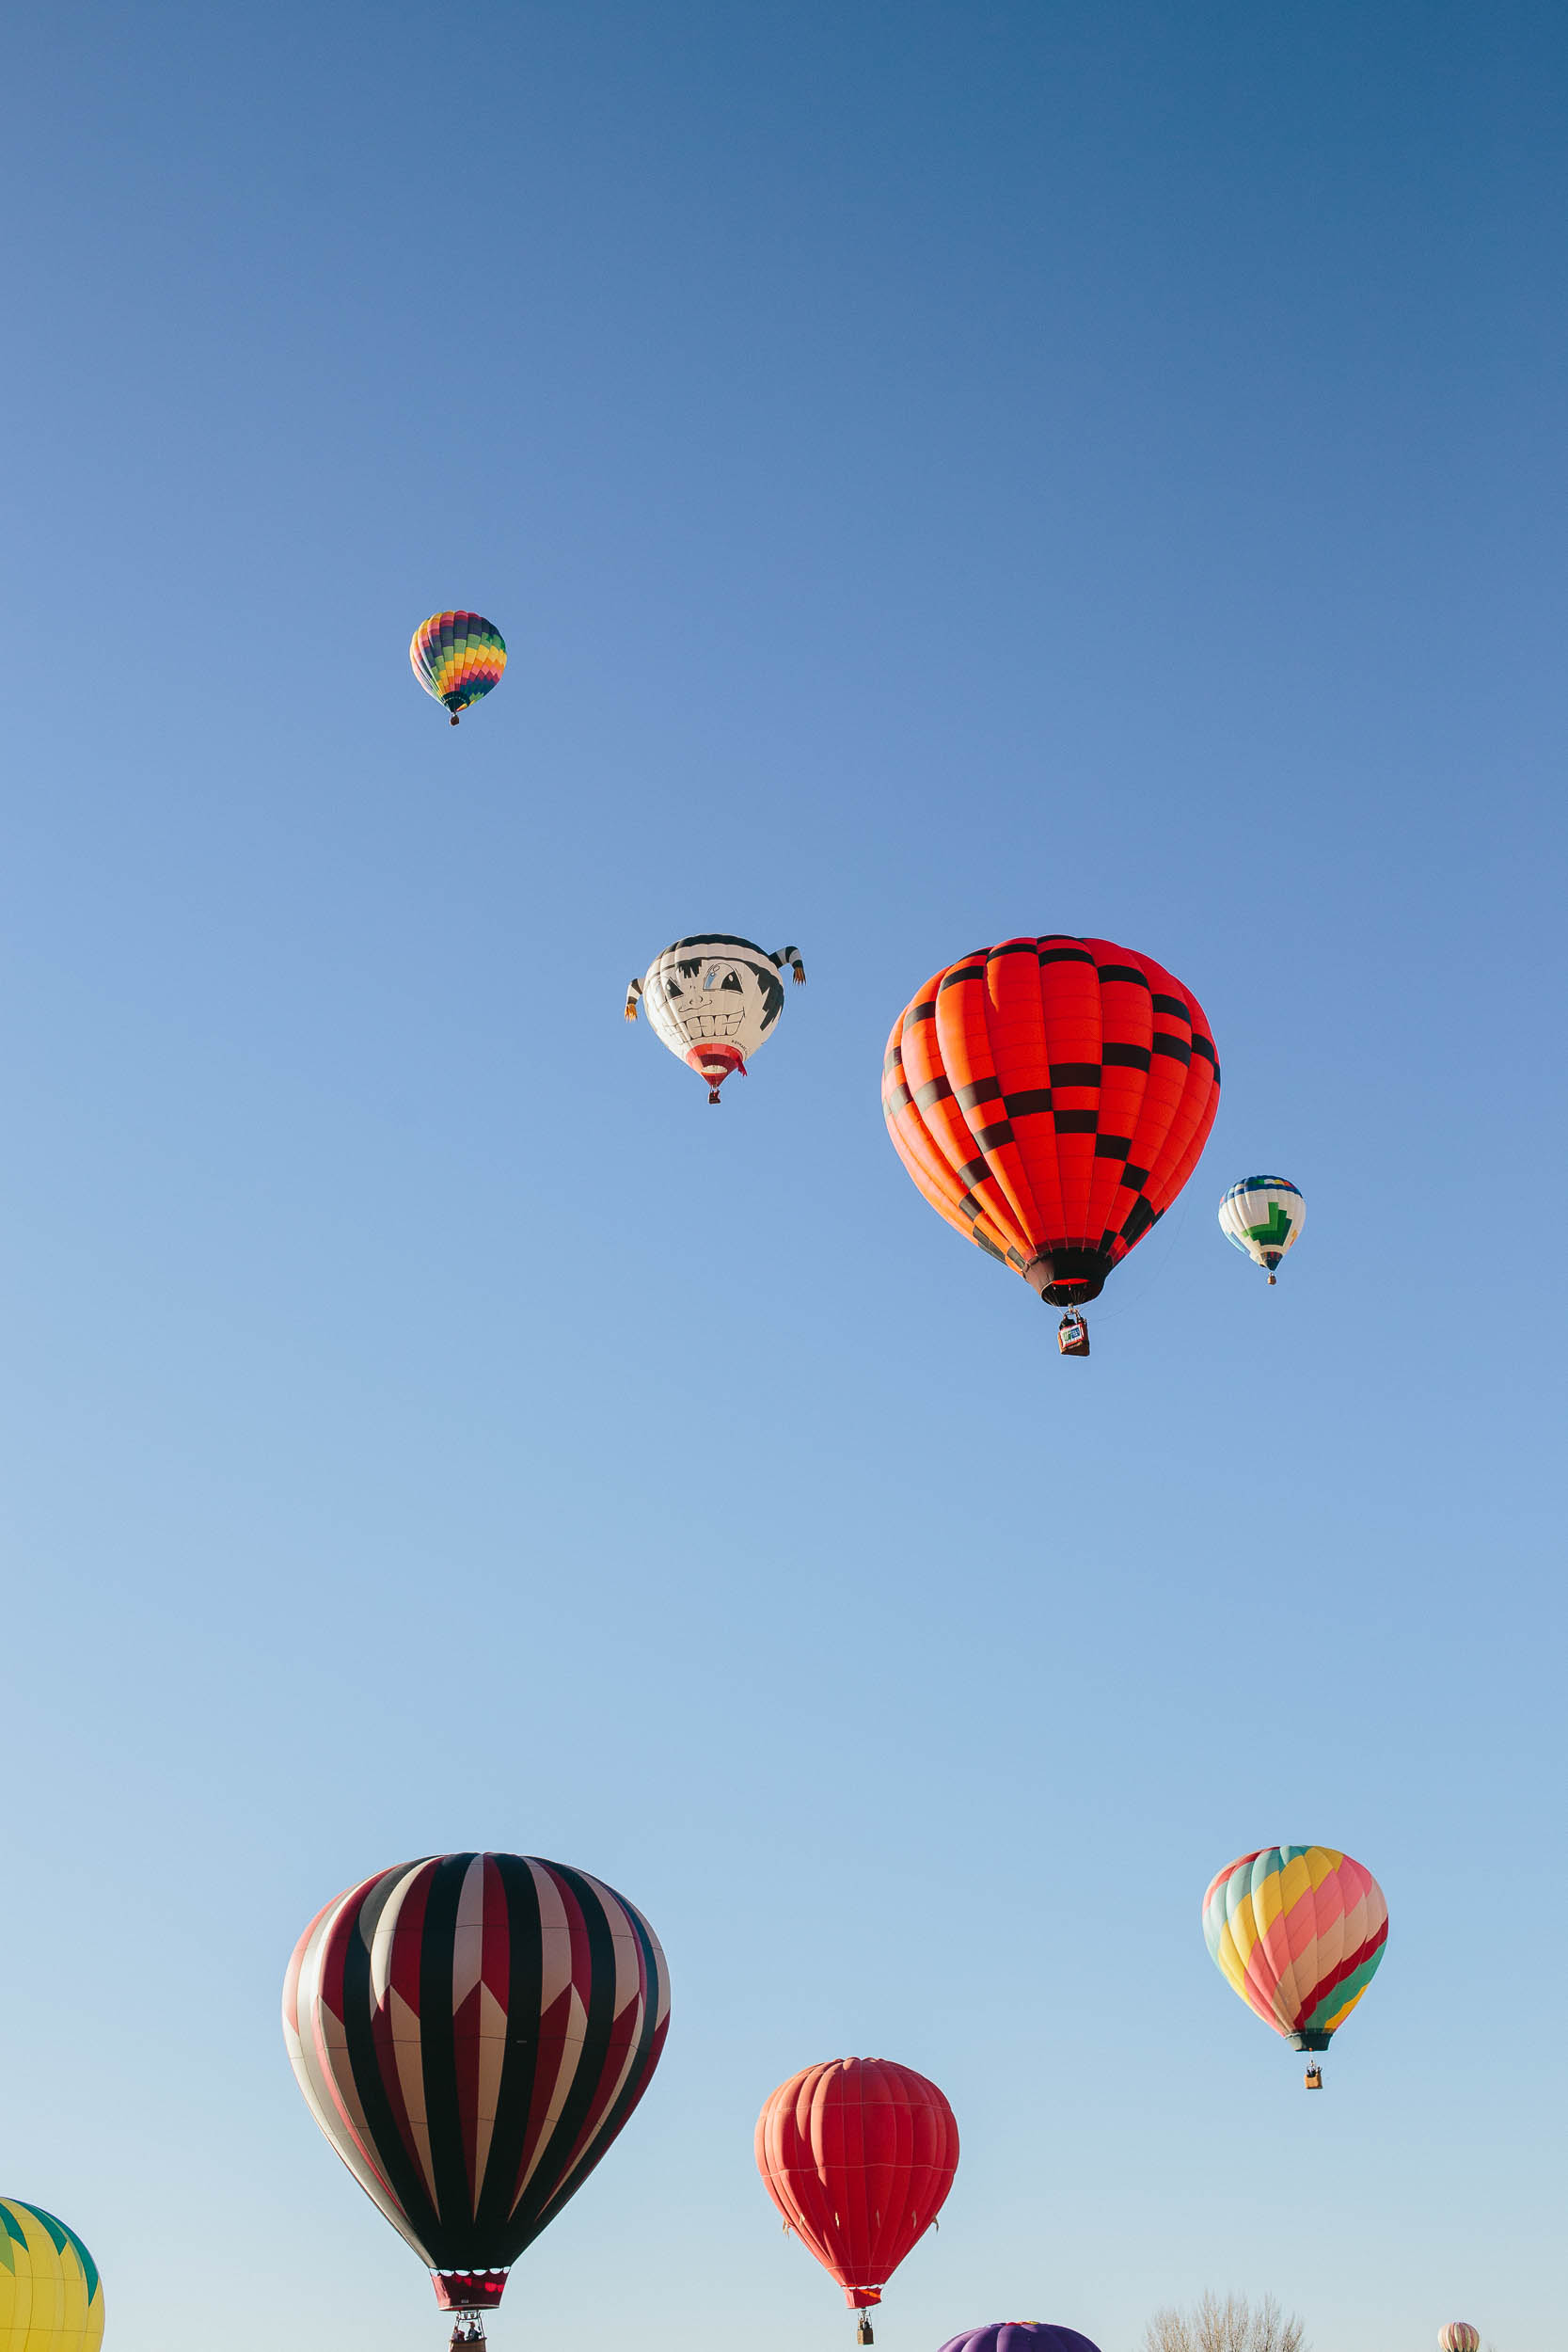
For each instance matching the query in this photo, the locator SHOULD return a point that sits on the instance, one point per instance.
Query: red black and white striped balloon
(471, 2031)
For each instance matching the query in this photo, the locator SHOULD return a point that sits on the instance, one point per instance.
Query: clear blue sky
(942, 471)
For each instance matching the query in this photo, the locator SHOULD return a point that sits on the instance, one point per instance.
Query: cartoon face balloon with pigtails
(713, 999)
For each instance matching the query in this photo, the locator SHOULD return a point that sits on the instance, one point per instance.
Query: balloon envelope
(857, 2154)
(471, 2031)
(1299, 1932)
(1021, 2335)
(714, 999)
(1459, 2336)
(457, 657)
(51, 2294)
(1049, 1097)
(1263, 1217)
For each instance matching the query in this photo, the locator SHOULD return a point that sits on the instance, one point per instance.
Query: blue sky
(942, 472)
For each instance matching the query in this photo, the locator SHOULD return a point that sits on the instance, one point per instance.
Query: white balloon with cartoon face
(713, 999)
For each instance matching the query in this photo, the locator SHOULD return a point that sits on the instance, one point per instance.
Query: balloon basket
(863, 2333)
(1313, 2078)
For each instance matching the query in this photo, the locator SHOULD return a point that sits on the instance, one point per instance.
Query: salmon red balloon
(1299, 1931)
(471, 2031)
(1049, 1097)
(857, 2154)
(457, 657)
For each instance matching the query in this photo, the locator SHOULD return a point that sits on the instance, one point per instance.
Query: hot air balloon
(1049, 1097)
(713, 999)
(51, 2295)
(857, 2154)
(1264, 1216)
(1458, 2336)
(457, 657)
(1298, 1931)
(471, 2031)
(1020, 2335)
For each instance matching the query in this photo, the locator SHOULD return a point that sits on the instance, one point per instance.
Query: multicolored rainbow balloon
(1299, 1932)
(457, 657)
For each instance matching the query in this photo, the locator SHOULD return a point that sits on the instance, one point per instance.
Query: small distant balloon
(51, 2294)
(1263, 1217)
(1459, 2336)
(457, 657)
(713, 999)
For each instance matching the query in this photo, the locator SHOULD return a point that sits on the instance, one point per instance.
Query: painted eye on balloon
(732, 979)
(673, 988)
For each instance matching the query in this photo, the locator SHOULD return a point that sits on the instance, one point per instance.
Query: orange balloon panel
(1050, 1097)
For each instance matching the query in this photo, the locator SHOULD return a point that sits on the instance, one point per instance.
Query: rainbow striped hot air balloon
(457, 657)
(51, 2295)
(1298, 1931)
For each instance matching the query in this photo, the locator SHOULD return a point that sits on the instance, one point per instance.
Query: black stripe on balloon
(989, 1247)
(1173, 1048)
(645, 2054)
(1124, 1057)
(454, 2239)
(1075, 1074)
(392, 2158)
(539, 2203)
(546, 2193)
(983, 1091)
(1028, 1103)
(957, 978)
(1140, 1217)
(525, 1994)
(1066, 955)
(1128, 972)
(989, 1137)
(1176, 1006)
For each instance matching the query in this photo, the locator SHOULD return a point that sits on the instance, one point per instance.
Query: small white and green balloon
(1264, 1216)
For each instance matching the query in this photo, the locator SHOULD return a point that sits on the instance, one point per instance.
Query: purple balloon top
(1021, 2335)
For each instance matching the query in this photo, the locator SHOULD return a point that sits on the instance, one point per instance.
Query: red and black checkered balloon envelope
(471, 2031)
(1050, 1097)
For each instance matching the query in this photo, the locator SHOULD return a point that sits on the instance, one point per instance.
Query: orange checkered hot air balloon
(1050, 1097)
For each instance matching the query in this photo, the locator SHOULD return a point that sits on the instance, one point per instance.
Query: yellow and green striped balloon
(51, 2295)
(457, 657)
